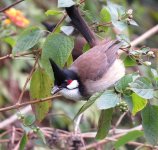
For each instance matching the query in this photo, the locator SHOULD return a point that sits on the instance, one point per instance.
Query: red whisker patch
(69, 81)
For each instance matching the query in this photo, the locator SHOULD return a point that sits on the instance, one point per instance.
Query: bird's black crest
(61, 75)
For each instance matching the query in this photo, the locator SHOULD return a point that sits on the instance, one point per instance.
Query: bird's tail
(79, 23)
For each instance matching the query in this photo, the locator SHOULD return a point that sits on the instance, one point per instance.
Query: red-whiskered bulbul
(94, 71)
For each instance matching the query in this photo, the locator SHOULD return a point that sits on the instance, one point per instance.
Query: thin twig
(5, 123)
(141, 144)
(77, 123)
(104, 141)
(18, 54)
(120, 119)
(145, 36)
(13, 135)
(6, 132)
(5, 8)
(5, 57)
(27, 80)
(82, 1)
(60, 21)
(28, 103)
(4, 141)
(115, 138)
(117, 131)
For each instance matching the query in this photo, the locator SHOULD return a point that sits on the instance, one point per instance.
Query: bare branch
(16, 106)
(145, 36)
(120, 119)
(60, 21)
(27, 80)
(5, 8)
(13, 118)
(19, 54)
(117, 131)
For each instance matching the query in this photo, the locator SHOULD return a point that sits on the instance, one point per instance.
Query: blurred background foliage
(13, 73)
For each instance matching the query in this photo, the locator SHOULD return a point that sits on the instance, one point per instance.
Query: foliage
(137, 90)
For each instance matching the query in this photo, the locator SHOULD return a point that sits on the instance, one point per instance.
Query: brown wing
(94, 63)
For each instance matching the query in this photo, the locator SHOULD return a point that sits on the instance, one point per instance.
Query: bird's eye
(69, 81)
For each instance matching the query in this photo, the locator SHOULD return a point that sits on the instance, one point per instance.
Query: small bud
(128, 19)
(130, 16)
(20, 117)
(151, 53)
(147, 63)
(130, 12)
(35, 130)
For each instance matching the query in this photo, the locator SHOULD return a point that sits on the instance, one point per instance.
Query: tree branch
(13, 118)
(16, 106)
(5, 8)
(145, 36)
(19, 54)
(60, 21)
(27, 80)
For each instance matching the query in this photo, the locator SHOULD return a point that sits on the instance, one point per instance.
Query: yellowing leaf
(40, 87)
(138, 103)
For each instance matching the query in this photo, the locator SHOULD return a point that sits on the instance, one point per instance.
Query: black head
(63, 77)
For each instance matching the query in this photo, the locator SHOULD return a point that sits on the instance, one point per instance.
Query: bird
(93, 71)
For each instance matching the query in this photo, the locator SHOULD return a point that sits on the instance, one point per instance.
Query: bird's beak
(55, 90)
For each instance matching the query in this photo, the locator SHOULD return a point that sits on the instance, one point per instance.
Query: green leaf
(107, 100)
(150, 123)
(27, 39)
(128, 100)
(121, 25)
(154, 73)
(138, 103)
(154, 100)
(10, 41)
(115, 10)
(128, 137)
(58, 47)
(104, 123)
(65, 3)
(41, 135)
(69, 61)
(91, 100)
(53, 12)
(130, 61)
(105, 15)
(122, 85)
(141, 51)
(27, 129)
(143, 87)
(40, 87)
(86, 47)
(23, 142)
(29, 120)
(125, 41)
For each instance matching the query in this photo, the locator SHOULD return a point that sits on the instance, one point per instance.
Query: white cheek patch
(74, 84)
